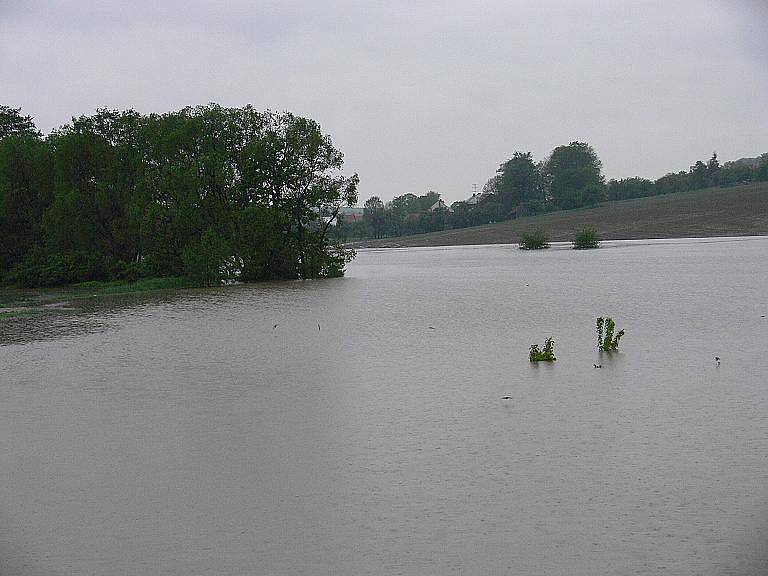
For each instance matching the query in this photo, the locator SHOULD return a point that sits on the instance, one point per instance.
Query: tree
(761, 172)
(518, 183)
(575, 177)
(373, 213)
(671, 183)
(12, 123)
(713, 170)
(207, 191)
(630, 188)
(396, 212)
(698, 176)
(26, 183)
(208, 259)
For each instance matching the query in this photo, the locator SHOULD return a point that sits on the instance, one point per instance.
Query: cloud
(419, 95)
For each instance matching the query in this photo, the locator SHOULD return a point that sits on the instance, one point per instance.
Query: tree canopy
(571, 177)
(575, 178)
(209, 192)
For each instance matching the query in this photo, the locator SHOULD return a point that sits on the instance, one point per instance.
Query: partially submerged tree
(547, 354)
(184, 192)
(606, 340)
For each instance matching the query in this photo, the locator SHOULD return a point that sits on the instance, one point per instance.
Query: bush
(545, 355)
(535, 240)
(585, 239)
(39, 269)
(129, 271)
(606, 341)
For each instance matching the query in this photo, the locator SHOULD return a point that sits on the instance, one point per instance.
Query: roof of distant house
(437, 205)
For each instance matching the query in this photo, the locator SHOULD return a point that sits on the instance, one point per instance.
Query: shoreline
(735, 211)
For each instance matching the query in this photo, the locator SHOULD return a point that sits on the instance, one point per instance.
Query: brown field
(736, 211)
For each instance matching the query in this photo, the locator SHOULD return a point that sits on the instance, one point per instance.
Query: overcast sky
(419, 96)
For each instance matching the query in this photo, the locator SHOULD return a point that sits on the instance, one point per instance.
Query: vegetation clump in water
(535, 240)
(606, 340)
(545, 355)
(585, 239)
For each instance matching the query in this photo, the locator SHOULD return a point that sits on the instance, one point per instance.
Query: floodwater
(356, 426)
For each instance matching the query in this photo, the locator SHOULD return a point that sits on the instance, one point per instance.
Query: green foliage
(374, 215)
(12, 123)
(570, 178)
(534, 240)
(206, 260)
(211, 192)
(573, 174)
(40, 269)
(630, 188)
(518, 183)
(585, 239)
(545, 355)
(606, 340)
(125, 287)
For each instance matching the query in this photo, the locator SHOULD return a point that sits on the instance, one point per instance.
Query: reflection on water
(356, 426)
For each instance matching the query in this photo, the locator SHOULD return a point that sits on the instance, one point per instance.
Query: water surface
(183, 433)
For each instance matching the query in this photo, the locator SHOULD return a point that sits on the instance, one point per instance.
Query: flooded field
(356, 426)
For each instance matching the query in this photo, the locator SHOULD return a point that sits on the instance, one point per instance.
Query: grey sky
(418, 95)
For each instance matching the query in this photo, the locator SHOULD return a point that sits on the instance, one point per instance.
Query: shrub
(535, 240)
(606, 340)
(545, 355)
(41, 269)
(585, 239)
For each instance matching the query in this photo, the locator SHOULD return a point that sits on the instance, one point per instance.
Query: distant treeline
(210, 193)
(571, 177)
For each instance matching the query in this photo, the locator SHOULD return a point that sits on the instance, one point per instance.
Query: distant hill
(734, 211)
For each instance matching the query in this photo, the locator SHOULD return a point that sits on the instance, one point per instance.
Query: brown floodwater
(356, 426)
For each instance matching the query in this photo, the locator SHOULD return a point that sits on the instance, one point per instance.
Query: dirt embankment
(735, 211)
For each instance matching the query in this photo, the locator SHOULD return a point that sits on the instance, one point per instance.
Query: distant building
(352, 213)
(476, 198)
(439, 205)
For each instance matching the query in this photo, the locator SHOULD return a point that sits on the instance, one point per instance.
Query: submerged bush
(585, 239)
(43, 269)
(545, 355)
(535, 240)
(606, 340)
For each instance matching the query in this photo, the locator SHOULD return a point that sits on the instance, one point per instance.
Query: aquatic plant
(606, 340)
(545, 355)
(535, 240)
(586, 238)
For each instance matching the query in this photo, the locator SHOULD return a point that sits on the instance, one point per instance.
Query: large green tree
(574, 176)
(518, 183)
(209, 192)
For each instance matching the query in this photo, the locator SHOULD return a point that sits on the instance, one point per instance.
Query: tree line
(207, 192)
(571, 177)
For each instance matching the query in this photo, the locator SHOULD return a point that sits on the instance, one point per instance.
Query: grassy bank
(86, 289)
(16, 303)
(734, 211)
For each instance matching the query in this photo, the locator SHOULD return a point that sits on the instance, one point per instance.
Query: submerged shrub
(586, 238)
(545, 355)
(535, 240)
(606, 340)
(43, 269)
